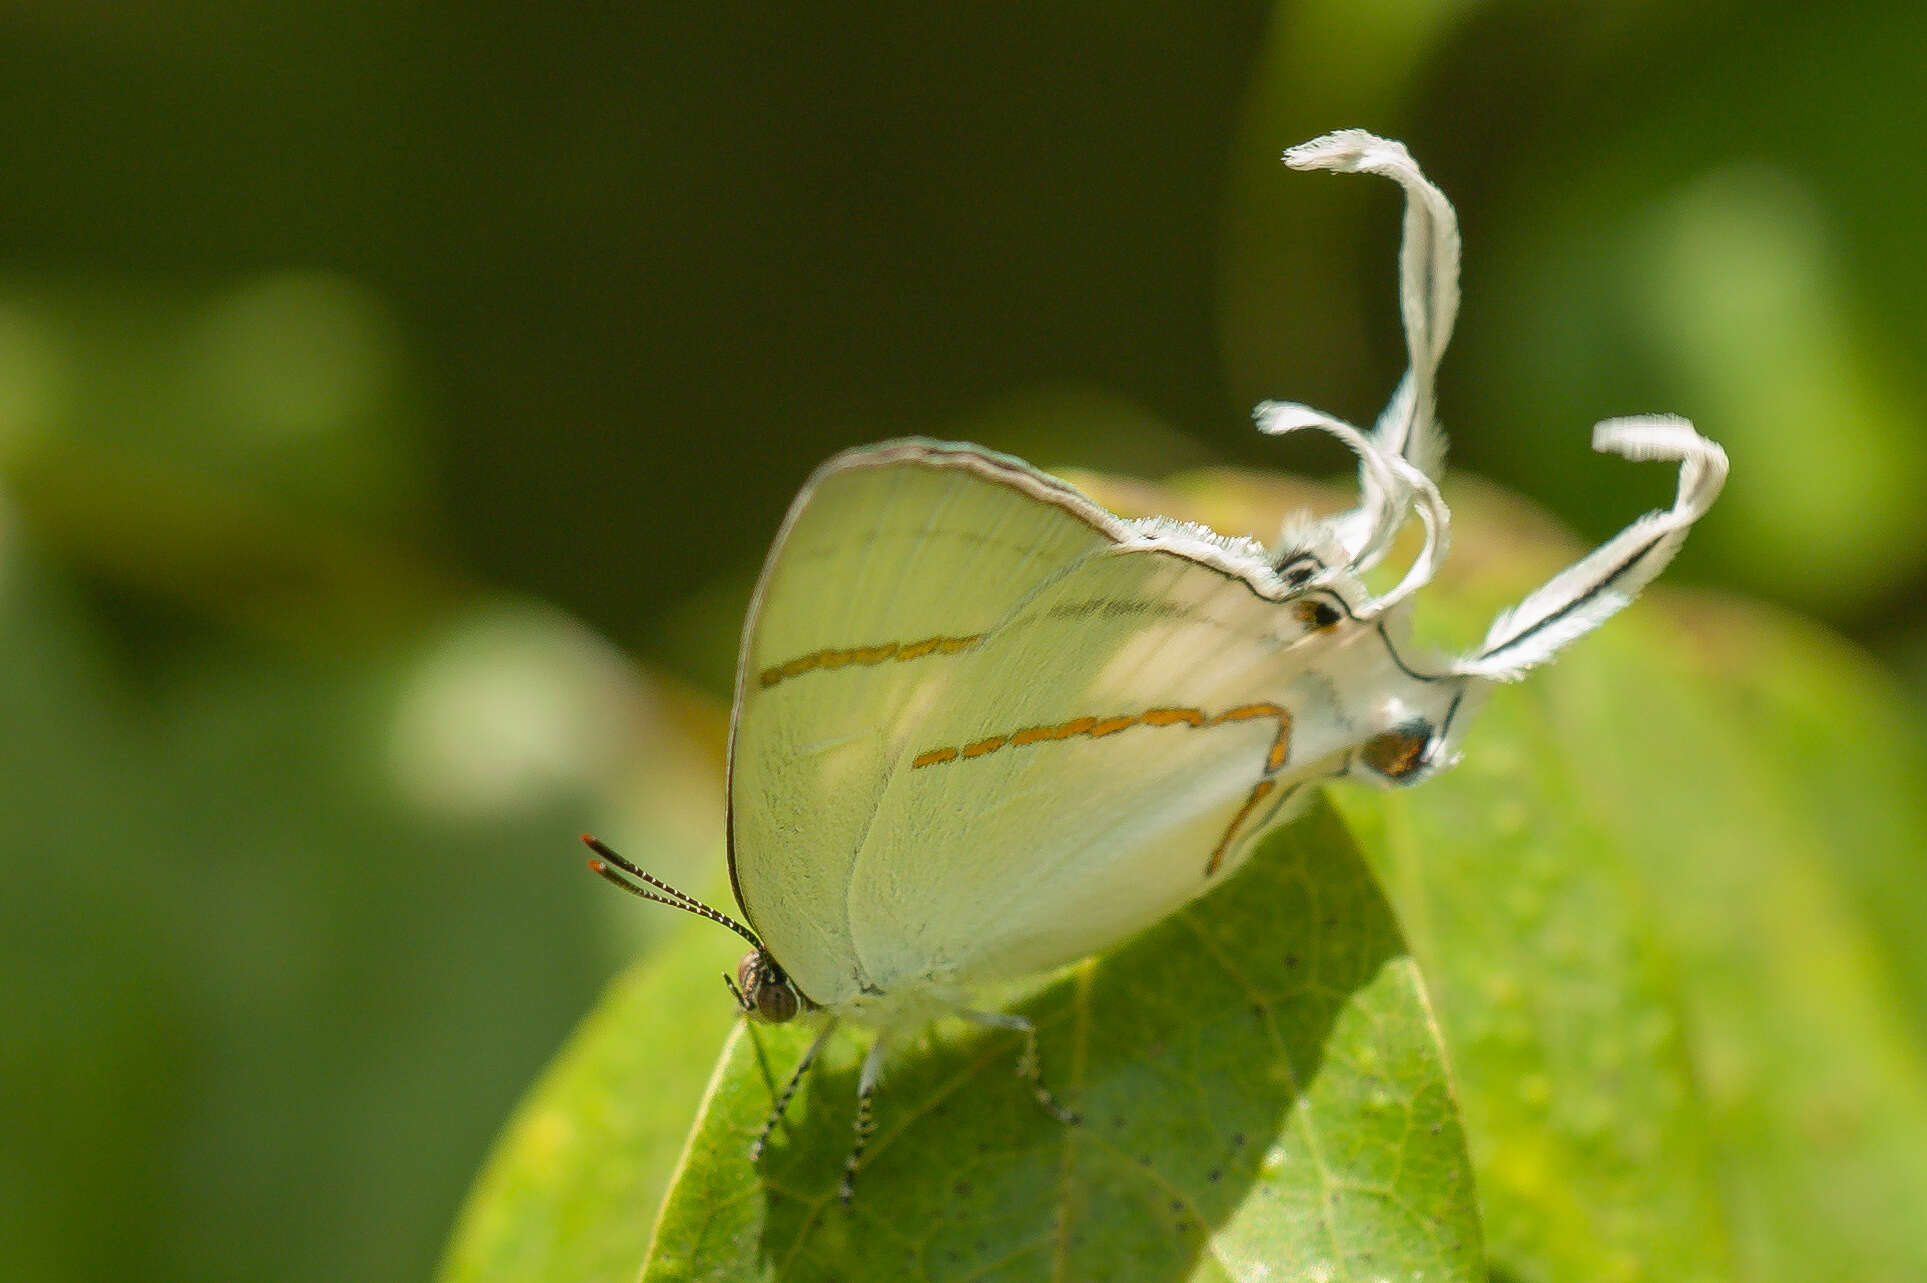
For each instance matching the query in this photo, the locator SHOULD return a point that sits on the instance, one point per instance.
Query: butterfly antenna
(673, 898)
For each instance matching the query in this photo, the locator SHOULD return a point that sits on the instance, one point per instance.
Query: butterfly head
(764, 991)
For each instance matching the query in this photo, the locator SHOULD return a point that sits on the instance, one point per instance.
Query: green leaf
(1669, 907)
(574, 1183)
(1260, 1082)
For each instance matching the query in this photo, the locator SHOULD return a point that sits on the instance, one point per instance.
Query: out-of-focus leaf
(249, 965)
(575, 1182)
(1670, 905)
(1812, 1066)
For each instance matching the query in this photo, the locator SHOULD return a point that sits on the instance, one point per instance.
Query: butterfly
(983, 727)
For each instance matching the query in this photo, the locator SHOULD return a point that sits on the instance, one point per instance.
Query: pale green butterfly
(984, 728)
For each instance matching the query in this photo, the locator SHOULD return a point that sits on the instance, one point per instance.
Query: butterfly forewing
(893, 562)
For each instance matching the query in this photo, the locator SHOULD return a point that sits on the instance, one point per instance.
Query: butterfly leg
(789, 1090)
(865, 1120)
(1027, 1065)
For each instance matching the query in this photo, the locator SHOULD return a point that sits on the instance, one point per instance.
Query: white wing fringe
(1402, 456)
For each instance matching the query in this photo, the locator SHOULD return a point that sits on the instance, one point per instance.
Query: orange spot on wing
(951, 645)
(983, 746)
(1172, 716)
(917, 650)
(1032, 735)
(1111, 726)
(933, 757)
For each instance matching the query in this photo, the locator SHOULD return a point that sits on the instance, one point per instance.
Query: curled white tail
(1401, 457)
(1590, 591)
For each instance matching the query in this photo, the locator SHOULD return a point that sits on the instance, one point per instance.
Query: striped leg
(1027, 1066)
(865, 1120)
(789, 1090)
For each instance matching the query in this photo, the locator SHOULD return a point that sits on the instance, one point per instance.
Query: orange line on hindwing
(1098, 727)
(868, 656)
(1258, 793)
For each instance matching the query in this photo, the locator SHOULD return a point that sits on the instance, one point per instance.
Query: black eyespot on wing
(1316, 613)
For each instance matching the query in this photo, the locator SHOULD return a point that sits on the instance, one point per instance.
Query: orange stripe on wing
(832, 659)
(1259, 792)
(1098, 727)
(1280, 744)
(1245, 712)
(1043, 734)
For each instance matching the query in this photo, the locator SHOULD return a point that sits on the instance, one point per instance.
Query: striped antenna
(673, 898)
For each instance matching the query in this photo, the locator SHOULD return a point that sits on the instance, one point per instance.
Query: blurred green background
(378, 382)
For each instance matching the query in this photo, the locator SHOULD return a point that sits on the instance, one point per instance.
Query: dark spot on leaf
(1291, 960)
(1217, 1174)
(961, 1189)
(1144, 1160)
(1257, 1011)
(1177, 1205)
(1184, 1227)
(1238, 1138)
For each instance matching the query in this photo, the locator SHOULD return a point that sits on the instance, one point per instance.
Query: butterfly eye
(768, 994)
(1400, 753)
